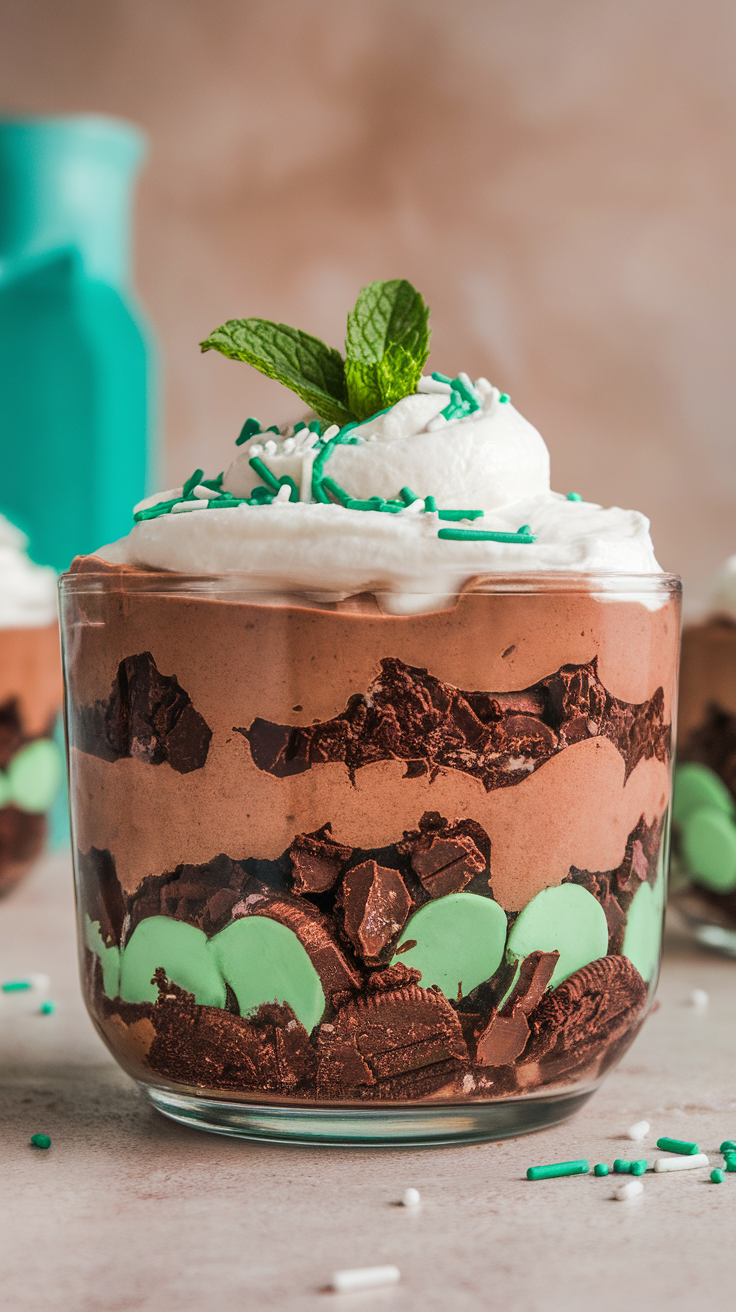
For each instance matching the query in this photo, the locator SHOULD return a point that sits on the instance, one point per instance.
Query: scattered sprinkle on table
(681, 1163)
(47, 1008)
(682, 1146)
(366, 1277)
(639, 1130)
(728, 1145)
(602, 1168)
(40, 1141)
(699, 999)
(17, 986)
(717, 1176)
(631, 1189)
(621, 1166)
(638, 1167)
(580, 1167)
(411, 1198)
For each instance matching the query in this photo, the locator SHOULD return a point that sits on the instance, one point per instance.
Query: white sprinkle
(204, 493)
(157, 498)
(330, 432)
(182, 507)
(681, 1163)
(255, 450)
(699, 998)
(366, 1277)
(307, 439)
(283, 494)
(411, 1198)
(631, 1189)
(483, 386)
(289, 445)
(270, 447)
(434, 385)
(639, 1130)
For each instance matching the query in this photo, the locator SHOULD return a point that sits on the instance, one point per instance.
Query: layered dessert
(704, 809)
(30, 700)
(370, 740)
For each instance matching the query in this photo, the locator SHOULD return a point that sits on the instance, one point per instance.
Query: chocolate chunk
(499, 738)
(506, 1035)
(615, 889)
(401, 1043)
(99, 892)
(393, 977)
(202, 895)
(446, 865)
(315, 933)
(22, 839)
(148, 716)
(11, 731)
(590, 1012)
(209, 1048)
(317, 860)
(599, 884)
(375, 904)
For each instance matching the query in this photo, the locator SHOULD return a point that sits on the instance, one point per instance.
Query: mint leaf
(315, 371)
(388, 314)
(373, 387)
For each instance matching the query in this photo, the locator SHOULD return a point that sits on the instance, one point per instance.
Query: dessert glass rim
(234, 583)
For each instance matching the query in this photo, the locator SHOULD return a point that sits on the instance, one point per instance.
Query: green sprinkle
(731, 1163)
(504, 396)
(430, 504)
(375, 503)
(441, 378)
(460, 514)
(728, 1145)
(318, 493)
(717, 1176)
(601, 1169)
(261, 496)
(273, 429)
(40, 1141)
(468, 393)
(314, 427)
(638, 1167)
(681, 1146)
(47, 1008)
(408, 497)
(339, 492)
(574, 496)
(153, 512)
(191, 483)
(392, 507)
(264, 472)
(298, 427)
(249, 429)
(622, 1166)
(557, 1168)
(482, 535)
(17, 986)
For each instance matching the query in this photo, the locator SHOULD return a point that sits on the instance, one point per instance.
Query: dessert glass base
(367, 1127)
(362, 869)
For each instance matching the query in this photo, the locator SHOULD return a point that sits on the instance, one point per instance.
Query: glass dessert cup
(31, 767)
(703, 876)
(352, 876)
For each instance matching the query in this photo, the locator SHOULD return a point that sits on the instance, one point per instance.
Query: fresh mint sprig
(386, 347)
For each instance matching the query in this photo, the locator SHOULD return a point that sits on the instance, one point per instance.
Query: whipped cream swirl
(27, 591)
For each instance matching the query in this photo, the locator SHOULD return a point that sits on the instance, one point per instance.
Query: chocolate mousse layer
(316, 843)
(30, 700)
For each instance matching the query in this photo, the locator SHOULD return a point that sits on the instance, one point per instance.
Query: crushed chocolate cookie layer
(498, 738)
(147, 716)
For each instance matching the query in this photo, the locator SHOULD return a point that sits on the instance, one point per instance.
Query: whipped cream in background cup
(31, 766)
(704, 806)
(370, 750)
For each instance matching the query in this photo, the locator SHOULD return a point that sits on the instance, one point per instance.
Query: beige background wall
(556, 176)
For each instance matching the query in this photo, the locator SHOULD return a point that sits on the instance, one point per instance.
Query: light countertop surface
(129, 1212)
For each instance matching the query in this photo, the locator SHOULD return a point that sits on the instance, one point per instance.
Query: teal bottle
(76, 448)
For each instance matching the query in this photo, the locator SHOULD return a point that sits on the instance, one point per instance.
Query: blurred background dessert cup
(31, 763)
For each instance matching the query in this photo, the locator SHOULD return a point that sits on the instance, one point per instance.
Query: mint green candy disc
(34, 776)
(644, 929)
(459, 942)
(109, 957)
(181, 950)
(566, 919)
(263, 961)
(697, 786)
(4, 789)
(709, 848)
